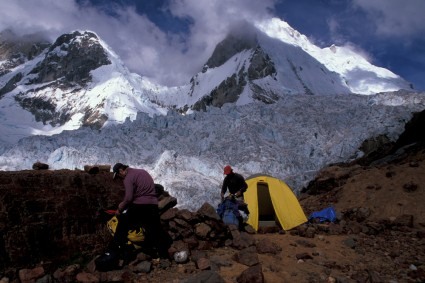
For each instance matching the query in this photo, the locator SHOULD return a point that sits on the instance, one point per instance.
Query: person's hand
(222, 196)
(117, 212)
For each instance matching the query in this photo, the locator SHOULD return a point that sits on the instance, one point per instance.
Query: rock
(67, 274)
(303, 256)
(202, 230)
(253, 274)
(181, 256)
(354, 227)
(220, 261)
(40, 166)
(144, 267)
(166, 203)
(247, 256)
(207, 211)
(203, 263)
(249, 229)
(85, 277)
(241, 240)
(30, 275)
(91, 169)
(186, 215)
(164, 264)
(169, 214)
(310, 232)
(191, 241)
(196, 255)
(265, 246)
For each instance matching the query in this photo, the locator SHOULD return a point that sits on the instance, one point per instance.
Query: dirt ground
(388, 193)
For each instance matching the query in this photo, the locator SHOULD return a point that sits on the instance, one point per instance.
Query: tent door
(266, 214)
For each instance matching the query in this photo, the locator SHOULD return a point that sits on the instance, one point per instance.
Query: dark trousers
(147, 216)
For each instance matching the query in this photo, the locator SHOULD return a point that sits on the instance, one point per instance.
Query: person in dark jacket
(234, 183)
(140, 204)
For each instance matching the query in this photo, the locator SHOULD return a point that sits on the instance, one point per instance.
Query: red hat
(227, 170)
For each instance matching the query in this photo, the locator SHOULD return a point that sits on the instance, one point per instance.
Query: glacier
(291, 140)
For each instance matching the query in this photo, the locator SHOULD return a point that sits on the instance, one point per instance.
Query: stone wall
(53, 215)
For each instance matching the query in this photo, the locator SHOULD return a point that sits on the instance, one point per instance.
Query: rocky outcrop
(229, 47)
(261, 65)
(70, 59)
(229, 90)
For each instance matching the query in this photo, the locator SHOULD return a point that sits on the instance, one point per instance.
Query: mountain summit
(271, 59)
(76, 81)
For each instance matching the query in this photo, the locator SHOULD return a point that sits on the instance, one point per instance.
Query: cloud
(395, 18)
(169, 58)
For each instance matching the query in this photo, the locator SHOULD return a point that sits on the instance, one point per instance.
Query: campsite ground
(389, 193)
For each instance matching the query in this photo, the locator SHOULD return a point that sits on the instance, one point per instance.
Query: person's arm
(223, 188)
(242, 186)
(128, 197)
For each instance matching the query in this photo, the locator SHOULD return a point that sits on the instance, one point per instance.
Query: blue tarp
(324, 215)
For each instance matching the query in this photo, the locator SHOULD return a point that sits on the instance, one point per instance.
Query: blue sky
(170, 40)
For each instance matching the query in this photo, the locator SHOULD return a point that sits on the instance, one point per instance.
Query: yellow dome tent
(270, 200)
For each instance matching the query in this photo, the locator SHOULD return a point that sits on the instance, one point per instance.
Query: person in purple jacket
(139, 207)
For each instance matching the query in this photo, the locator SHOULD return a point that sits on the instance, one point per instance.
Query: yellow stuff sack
(134, 236)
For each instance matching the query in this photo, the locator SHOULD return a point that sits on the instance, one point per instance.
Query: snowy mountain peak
(359, 75)
(77, 81)
(271, 59)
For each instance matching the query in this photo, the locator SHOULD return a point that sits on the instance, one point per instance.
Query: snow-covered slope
(359, 75)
